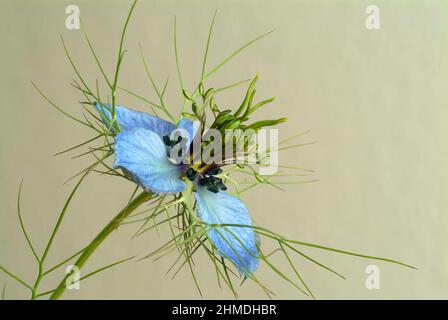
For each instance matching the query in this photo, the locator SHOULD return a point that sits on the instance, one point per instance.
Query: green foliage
(177, 213)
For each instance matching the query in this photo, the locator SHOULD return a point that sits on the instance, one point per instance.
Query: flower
(142, 144)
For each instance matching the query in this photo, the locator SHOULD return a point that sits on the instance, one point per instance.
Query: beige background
(375, 101)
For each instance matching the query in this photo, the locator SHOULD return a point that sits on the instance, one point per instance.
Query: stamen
(214, 171)
(191, 174)
(213, 184)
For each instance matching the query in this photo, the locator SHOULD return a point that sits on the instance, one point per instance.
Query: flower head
(142, 150)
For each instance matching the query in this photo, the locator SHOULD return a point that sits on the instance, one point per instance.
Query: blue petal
(142, 153)
(238, 244)
(129, 119)
(191, 127)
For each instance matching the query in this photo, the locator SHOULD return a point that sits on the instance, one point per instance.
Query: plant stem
(187, 194)
(111, 226)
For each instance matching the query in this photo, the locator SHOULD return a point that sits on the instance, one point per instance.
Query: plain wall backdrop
(375, 100)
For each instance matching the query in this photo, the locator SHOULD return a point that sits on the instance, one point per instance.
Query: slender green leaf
(95, 56)
(105, 268)
(57, 107)
(204, 63)
(22, 226)
(235, 53)
(4, 291)
(12, 275)
(61, 217)
(176, 53)
(120, 56)
(295, 270)
(64, 262)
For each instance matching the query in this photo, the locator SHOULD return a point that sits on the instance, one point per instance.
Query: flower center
(208, 179)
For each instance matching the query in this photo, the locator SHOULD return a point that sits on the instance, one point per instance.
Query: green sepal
(251, 110)
(266, 123)
(235, 124)
(247, 97)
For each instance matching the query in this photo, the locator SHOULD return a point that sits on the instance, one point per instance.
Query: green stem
(111, 226)
(187, 196)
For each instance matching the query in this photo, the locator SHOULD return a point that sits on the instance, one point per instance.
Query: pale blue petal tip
(129, 119)
(222, 208)
(191, 127)
(142, 153)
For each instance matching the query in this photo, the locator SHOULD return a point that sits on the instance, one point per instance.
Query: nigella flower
(140, 147)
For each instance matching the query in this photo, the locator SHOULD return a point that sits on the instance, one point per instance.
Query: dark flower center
(208, 179)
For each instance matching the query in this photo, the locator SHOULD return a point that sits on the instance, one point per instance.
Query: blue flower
(140, 151)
